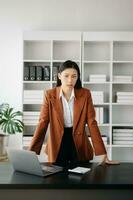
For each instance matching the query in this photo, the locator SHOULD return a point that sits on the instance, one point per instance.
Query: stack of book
(122, 79)
(123, 136)
(104, 138)
(97, 97)
(30, 118)
(33, 96)
(36, 73)
(97, 78)
(124, 97)
(99, 115)
(27, 141)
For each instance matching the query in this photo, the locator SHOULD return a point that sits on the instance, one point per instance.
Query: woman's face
(68, 78)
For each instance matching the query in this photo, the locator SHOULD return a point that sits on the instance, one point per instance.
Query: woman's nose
(70, 80)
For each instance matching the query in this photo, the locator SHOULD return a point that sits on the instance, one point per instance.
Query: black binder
(26, 73)
(32, 73)
(46, 73)
(39, 73)
(55, 72)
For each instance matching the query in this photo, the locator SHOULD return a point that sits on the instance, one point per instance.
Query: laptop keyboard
(49, 169)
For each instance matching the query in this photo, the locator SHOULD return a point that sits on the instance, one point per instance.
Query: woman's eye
(74, 77)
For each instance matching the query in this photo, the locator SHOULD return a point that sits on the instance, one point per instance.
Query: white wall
(19, 15)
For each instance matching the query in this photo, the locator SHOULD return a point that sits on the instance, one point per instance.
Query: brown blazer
(52, 112)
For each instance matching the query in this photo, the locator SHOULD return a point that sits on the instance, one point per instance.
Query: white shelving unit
(97, 53)
(111, 53)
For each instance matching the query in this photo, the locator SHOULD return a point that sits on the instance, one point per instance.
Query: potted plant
(10, 123)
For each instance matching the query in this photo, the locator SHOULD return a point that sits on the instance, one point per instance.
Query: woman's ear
(59, 76)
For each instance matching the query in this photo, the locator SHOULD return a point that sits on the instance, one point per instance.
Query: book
(31, 113)
(122, 138)
(55, 72)
(97, 97)
(33, 94)
(123, 134)
(39, 73)
(122, 78)
(26, 73)
(124, 93)
(97, 78)
(125, 98)
(123, 142)
(101, 115)
(125, 101)
(33, 101)
(123, 130)
(32, 73)
(46, 73)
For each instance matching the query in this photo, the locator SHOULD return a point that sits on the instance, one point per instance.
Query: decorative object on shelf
(9, 124)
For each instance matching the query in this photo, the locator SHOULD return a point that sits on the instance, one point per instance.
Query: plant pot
(3, 144)
(15, 141)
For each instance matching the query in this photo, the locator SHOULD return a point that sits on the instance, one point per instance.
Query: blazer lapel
(78, 106)
(57, 105)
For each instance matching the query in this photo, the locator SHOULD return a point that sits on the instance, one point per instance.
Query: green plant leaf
(18, 113)
(9, 121)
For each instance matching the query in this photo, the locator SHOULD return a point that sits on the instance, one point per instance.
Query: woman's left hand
(108, 162)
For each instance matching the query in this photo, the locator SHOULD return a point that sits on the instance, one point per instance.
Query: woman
(68, 108)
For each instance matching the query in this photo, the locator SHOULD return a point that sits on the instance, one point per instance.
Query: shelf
(117, 83)
(101, 104)
(91, 82)
(125, 146)
(96, 61)
(37, 50)
(122, 61)
(36, 82)
(32, 103)
(37, 61)
(122, 104)
(123, 124)
(61, 61)
(123, 51)
(96, 51)
(103, 124)
(66, 50)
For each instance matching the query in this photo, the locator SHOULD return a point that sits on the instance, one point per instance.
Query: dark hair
(67, 65)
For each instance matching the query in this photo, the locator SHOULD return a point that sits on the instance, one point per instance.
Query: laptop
(28, 162)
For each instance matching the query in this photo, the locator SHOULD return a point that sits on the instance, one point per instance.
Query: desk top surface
(100, 177)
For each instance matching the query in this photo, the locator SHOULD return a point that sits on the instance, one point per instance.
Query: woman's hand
(105, 160)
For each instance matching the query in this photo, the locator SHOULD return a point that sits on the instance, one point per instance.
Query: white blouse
(68, 107)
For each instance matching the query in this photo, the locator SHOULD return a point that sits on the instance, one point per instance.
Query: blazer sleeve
(40, 132)
(95, 134)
